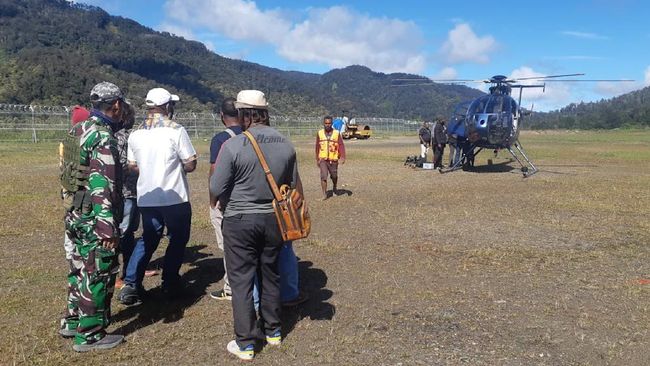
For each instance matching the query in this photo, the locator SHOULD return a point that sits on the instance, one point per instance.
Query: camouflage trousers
(91, 281)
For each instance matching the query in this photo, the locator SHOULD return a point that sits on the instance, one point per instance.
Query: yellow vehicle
(353, 130)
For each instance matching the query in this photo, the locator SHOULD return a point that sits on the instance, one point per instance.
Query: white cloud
(446, 73)
(463, 45)
(583, 35)
(555, 95)
(383, 44)
(236, 19)
(335, 36)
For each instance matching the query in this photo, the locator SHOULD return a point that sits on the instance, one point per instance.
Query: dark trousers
(252, 243)
(437, 155)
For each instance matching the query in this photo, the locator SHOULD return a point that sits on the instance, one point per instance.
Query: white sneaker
(245, 354)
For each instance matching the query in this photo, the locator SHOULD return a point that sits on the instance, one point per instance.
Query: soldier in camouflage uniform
(91, 178)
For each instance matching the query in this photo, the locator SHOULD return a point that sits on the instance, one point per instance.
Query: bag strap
(265, 166)
(230, 132)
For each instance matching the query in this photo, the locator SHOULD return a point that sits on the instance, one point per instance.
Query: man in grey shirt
(252, 239)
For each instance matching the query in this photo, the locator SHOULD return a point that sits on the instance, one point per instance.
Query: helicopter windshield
(492, 104)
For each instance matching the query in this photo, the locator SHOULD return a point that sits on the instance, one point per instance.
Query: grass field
(411, 267)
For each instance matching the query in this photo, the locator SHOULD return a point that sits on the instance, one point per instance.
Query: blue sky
(605, 39)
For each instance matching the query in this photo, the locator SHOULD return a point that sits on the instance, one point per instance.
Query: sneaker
(129, 296)
(109, 341)
(247, 353)
(274, 339)
(302, 297)
(220, 295)
(175, 289)
(65, 332)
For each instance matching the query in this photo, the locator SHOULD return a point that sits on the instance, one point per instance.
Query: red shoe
(119, 283)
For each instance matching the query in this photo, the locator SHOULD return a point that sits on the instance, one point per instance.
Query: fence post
(34, 137)
(196, 126)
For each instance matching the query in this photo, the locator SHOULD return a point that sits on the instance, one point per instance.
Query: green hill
(53, 52)
(628, 110)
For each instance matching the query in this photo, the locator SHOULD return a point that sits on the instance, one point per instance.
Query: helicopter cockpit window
(496, 105)
(478, 106)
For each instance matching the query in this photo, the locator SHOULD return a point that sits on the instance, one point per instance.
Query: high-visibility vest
(329, 147)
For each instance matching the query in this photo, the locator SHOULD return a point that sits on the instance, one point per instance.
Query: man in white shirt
(161, 151)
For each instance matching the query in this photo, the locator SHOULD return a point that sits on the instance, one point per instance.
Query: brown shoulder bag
(289, 205)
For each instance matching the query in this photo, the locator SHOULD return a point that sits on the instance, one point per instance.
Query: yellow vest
(329, 147)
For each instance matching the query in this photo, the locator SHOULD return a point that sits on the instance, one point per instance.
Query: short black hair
(259, 116)
(327, 117)
(228, 107)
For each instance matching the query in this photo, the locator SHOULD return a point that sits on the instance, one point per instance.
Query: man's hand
(342, 161)
(110, 243)
(317, 162)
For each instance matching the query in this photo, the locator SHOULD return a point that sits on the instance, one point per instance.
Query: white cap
(160, 96)
(251, 99)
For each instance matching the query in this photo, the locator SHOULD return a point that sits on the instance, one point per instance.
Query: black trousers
(252, 243)
(437, 155)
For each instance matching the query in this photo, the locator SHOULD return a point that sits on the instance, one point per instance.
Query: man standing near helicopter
(439, 141)
(425, 139)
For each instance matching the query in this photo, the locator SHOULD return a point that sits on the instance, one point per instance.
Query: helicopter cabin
(491, 121)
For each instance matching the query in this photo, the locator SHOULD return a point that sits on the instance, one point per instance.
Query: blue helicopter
(492, 121)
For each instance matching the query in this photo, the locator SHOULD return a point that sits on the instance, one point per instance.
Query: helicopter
(492, 121)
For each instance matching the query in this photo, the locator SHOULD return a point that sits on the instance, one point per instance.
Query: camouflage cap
(105, 92)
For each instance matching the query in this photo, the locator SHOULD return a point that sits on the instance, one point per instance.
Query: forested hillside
(53, 52)
(628, 110)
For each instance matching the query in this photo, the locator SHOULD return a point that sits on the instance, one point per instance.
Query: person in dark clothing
(252, 238)
(230, 118)
(425, 139)
(439, 141)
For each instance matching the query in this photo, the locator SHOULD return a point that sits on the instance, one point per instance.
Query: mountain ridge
(54, 51)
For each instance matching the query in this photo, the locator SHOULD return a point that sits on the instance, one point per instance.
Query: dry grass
(413, 267)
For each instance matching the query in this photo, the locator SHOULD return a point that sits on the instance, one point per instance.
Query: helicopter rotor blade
(413, 84)
(546, 77)
(579, 80)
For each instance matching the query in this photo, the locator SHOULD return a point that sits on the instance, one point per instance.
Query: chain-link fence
(41, 123)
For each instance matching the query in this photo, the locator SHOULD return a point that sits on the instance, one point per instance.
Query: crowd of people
(116, 173)
(437, 140)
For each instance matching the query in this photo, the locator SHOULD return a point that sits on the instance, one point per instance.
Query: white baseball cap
(251, 99)
(160, 96)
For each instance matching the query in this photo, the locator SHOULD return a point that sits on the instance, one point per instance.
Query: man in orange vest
(329, 152)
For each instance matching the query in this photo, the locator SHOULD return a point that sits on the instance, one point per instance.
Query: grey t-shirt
(239, 180)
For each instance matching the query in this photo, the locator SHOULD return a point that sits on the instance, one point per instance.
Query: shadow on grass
(313, 282)
(157, 306)
(339, 192)
(502, 167)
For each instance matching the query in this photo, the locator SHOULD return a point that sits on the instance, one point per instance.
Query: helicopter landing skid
(529, 168)
(464, 161)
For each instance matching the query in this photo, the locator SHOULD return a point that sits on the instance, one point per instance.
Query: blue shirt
(337, 124)
(219, 139)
